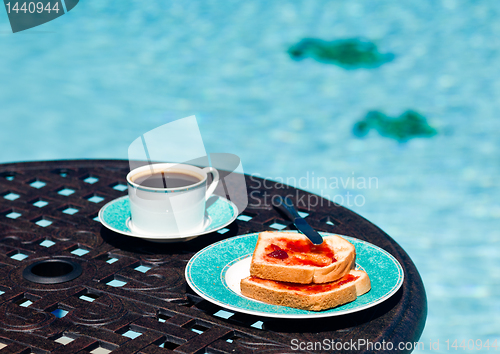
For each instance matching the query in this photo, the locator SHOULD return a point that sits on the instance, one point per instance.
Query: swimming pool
(88, 83)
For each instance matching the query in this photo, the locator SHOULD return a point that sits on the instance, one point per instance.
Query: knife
(286, 205)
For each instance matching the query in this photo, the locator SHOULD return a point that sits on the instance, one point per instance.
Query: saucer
(115, 216)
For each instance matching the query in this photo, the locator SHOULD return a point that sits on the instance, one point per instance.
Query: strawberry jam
(299, 252)
(307, 288)
(280, 254)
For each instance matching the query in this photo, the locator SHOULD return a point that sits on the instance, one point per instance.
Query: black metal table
(48, 210)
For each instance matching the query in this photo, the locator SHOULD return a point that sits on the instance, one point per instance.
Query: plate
(215, 272)
(219, 213)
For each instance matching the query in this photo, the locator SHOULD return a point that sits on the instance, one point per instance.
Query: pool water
(88, 83)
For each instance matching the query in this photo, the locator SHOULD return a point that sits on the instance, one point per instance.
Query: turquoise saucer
(115, 216)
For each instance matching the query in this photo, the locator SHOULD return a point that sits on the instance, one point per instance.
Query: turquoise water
(88, 83)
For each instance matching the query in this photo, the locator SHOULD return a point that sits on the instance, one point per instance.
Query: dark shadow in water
(353, 53)
(408, 125)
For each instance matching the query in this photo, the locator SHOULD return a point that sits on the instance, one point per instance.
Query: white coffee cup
(161, 210)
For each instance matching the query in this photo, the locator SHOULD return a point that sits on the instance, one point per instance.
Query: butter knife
(286, 205)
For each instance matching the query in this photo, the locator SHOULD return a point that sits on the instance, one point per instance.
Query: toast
(312, 297)
(291, 257)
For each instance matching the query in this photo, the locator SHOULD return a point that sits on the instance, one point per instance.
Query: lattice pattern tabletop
(131, 296)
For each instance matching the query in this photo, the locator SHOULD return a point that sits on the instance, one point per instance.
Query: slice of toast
(312, 297)
(291, 257)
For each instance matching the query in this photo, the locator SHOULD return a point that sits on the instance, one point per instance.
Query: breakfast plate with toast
(281, 275)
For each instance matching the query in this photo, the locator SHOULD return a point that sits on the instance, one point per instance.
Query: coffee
(167, 180)
(169, 199)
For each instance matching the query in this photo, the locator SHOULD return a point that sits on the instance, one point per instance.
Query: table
(49, 209)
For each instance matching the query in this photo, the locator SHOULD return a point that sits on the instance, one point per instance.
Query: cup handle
(215, 181)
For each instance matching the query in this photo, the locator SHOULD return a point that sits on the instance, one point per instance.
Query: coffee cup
(169, 199)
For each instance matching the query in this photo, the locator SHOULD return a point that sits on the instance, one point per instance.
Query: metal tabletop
(48, 210)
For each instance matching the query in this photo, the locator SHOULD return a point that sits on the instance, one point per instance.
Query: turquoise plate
(215, 272)
(116, 216)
